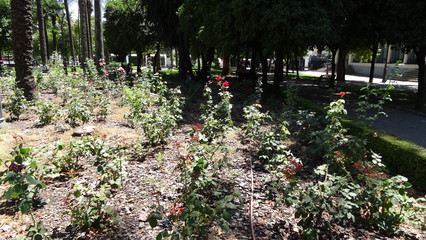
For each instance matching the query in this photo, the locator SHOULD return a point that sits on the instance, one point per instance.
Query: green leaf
(77, 193)
(38, 237)
(25, 207)
(153, 218)
(40, 225)
(31, 180)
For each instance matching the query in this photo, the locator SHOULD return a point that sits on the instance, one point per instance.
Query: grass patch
(400, 156)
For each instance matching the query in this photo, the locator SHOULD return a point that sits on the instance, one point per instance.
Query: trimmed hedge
(400, 156)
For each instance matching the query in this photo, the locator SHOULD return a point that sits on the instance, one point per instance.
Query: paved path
(408, 85)
(402, 123)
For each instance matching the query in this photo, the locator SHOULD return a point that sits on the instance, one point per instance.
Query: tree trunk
(54, 38)
(84, 51)
(22, 33)
(185, 66)
(199, 66)
(67, 11)
(265, 68)
(226, 58)
(139, 61)
(48, 52)
(287, 66)
(41, 29)
(333, 68)
(421, 92)
(297, 67)
(278, 71)
(171, 58)
(157, 59)
(89, 29)
(373, 61)
(341, 67)
(99, 43)
(252, 72)
(385, 68)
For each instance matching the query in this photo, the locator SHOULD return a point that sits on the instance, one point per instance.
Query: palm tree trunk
(99, 43)
(22, 33)
(84, 52)
(89, 29)
(46, 19)
(41, 29)
(54, 38)
(67, 11)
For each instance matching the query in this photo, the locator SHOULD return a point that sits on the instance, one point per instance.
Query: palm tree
(89, 28)
(84, 53)
(22, 33)
(41, 30)
(99, 43)
(67, 11)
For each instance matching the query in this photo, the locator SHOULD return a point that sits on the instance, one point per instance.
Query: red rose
(74, 74)
(225, 84)
(342, 94)
(218, 78)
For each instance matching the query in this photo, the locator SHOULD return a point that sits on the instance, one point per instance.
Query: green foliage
(381, 204)
(65, 158)
(20, 174)
(109, 164)
(333, 144)
(154, 108)
(254, 119)
(46, 111)
(216, 115)
(37, 231)
(400, 156)
(372, 101)
(385, 204)
(17, 104)
(77, 112)
(203, 200)
(88, 208)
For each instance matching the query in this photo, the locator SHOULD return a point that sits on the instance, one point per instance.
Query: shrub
(17, 104)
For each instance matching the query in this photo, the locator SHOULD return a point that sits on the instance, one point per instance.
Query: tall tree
(99, 43)
(409, 28)
(89, 28)
(42, 30)
(127, 29)
(71, 40)
(163, 13)
(22, 45)
(84, 47)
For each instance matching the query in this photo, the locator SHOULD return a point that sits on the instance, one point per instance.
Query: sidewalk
(404, 124)
(407, 85)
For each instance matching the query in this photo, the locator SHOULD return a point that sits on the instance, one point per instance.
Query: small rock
(5, 228)
(61, 128)
(142, 217)
(87, 130)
